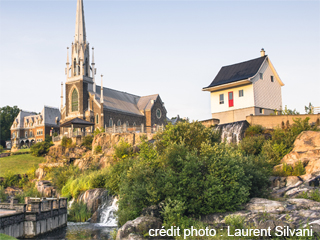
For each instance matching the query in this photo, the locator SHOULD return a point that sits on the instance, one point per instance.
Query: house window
(119, 123)
(221, 98)
(26, 134)
(230, 96)
(74, 101)
(261, 75)
(240, 93)
(261, 110)
(30, 134)
(97, 119)
(13, 135)
(127, 123)
(271, 77)
(110, 122)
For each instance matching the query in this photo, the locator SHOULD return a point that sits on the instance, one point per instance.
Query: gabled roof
(146, 102)
(237, 72)
(77, 122)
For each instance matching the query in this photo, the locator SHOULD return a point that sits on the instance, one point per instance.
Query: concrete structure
(29, 127)
(102, 106)
(36, 217)
(239, 90)
(281, 120)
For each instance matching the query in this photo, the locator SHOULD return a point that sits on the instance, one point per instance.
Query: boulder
(94, 197)
(307, 150)
(138, 227)
(264, 205)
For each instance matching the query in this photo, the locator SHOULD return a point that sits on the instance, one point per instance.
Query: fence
(115, 129)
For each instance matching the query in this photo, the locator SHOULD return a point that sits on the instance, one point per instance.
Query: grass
(18, 164)
(6, 237)
(24, 150)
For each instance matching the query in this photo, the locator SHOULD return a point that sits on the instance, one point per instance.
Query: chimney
(263, 53)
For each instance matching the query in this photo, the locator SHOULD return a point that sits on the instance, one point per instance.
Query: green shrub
(312, 195)
(66, 142)
(252, 145)
(3, 195)
(288, 170)
(98, 149)
(191, 134)
(98, 130)
(1, 148)
(79, 212)
(10, 179)
(87, 142)
(235, 222)
(123, 150)
(40, 148)
(60, 175)
(29, 190)
(254, 130)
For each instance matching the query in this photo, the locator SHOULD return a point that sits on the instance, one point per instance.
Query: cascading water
(107, 214)
(232, 132)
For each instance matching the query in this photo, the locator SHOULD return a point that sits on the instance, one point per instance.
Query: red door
(230, 96)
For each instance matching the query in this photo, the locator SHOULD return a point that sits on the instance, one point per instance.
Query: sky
(173, 48)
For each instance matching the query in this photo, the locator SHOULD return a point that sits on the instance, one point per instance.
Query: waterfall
(232, 132)
(107, 214)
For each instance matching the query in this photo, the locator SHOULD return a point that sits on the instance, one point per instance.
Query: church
(88, 104)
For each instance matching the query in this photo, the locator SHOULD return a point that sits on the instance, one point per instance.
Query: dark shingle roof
(238, 71)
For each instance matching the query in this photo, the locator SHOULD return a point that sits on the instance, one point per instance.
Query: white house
(250, 87)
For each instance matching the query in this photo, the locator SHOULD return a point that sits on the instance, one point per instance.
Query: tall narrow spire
(101, 94)
(80, 34)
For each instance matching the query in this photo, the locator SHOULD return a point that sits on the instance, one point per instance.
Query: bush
(254, 130)
(252, 145)
(87, 142)
(79, 212)
(3, 195)
(29, 190)
(10, 179)
(1, 148)
(40, 148)
(98, 149)
(123, 150)
(98, 130)
(66, 142)
(287, 170)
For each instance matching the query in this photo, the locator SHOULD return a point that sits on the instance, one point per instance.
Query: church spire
(80, 34)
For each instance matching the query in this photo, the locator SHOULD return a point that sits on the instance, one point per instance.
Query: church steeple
(80, 47)
(80, 33)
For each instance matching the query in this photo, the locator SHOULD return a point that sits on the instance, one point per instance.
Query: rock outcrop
(307, 150)
(136, 228)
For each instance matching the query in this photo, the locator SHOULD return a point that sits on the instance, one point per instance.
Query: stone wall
(274, 121)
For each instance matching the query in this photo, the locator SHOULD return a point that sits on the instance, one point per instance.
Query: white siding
(238, 102)
(267, 94)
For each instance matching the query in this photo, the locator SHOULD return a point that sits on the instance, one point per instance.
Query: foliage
(252, 144)
(312, 195)
(281, 142)
(87, 142)
(288, 170)
(66, 142)
(79, 212)
(60, 175)
(19, 164)
(123, 150)
(7, 116)
(206, 182)
(98, 149)
(48, 138)
(3, 195)
(1, 148)
(29, 190)
(172, 213)
(235, 222)
(309, 109)
(254, 130)
(191, 134)
(40, 148)
(287, 111)
(87, 180)
(98, 130)
(10, 179)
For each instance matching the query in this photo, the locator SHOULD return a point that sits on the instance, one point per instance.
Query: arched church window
(97, 119)
(110, 122)
(74, 101)
(119, 123)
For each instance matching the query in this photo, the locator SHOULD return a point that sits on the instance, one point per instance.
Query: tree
(309, 109)
(7, 116)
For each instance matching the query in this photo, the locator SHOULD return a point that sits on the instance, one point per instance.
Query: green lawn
(18, 164)
(24, 150)
(6, 237)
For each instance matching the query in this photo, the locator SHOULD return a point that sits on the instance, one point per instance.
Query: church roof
(237, 72)
(115, 100)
